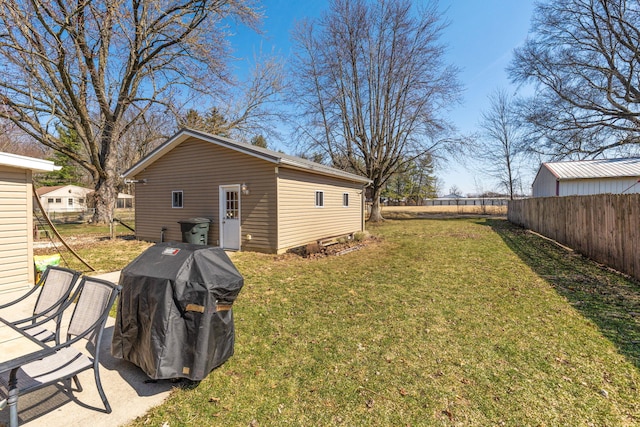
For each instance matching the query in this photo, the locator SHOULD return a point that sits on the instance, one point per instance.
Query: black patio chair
(87, 323)
(54, 286)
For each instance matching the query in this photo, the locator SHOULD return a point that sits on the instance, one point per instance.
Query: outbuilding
(16, 218)
(585, 177)
(256, 199)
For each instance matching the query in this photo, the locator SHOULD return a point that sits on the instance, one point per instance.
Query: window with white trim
(319, 199)
(176, 199)
(50, 200)
(345, 200)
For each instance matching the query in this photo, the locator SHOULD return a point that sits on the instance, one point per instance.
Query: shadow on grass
(609, 299)
(438, 215)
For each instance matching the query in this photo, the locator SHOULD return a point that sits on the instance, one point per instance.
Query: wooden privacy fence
(603, 227)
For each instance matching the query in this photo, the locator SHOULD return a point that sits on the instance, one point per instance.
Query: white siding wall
(15, 228)
(77, 195)
(584, 187)
(545, 183)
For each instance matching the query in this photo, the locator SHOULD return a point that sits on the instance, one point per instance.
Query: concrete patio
(125, 385)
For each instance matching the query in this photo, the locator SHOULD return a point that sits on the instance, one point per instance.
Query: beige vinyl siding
(198, 168)
(301, 221)
(16, 261)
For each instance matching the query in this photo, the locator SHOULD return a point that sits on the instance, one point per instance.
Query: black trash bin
(195, 230)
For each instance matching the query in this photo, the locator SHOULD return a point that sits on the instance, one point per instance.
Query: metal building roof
(601, 168)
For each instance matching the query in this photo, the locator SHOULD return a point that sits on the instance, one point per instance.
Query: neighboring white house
(63, 198)
(16, 218)
(585, 177)
(72, 198)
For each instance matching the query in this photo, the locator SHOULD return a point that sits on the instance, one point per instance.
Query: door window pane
(231, 208)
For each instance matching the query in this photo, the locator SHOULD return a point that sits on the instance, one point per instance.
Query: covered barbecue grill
(174, 315)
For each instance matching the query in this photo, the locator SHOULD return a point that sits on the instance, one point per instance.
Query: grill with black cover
(174, 317)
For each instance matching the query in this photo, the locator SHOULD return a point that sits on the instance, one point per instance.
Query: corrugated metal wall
(545, 184)
(585, 187)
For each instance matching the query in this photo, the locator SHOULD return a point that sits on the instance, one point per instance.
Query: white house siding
(69, 198)
(545, 183)
(301, 222)
(585, 187)
(15, 228)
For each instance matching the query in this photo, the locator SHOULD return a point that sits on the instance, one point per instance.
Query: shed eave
(24, 162)
(327, 172)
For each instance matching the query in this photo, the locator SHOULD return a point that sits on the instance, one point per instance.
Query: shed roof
(601, 168)
(24, 162)
(280, 159)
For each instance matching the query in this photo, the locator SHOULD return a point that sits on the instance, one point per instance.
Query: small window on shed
(345, 199)
(176, 199)
(50, 200)
(319, 199)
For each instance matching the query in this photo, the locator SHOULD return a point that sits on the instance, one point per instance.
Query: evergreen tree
(70, 174)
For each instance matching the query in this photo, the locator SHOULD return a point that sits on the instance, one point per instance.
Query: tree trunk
(104, 199)
(376, 210)
(106, 192)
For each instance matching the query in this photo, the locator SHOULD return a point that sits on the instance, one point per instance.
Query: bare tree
(254, 107)
(97, 66)
(583, 57)
(143, 135)
(455, 191)
(370, 83)
(250, 110)
(500, 150)
(13, 140)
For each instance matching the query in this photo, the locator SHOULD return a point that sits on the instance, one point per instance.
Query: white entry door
(230, 217)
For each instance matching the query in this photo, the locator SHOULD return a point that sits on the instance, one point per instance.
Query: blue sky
(481, 37)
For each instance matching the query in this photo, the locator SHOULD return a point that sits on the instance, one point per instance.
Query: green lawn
(442, 322)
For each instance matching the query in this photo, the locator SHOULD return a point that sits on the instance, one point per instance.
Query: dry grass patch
(412, 212)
